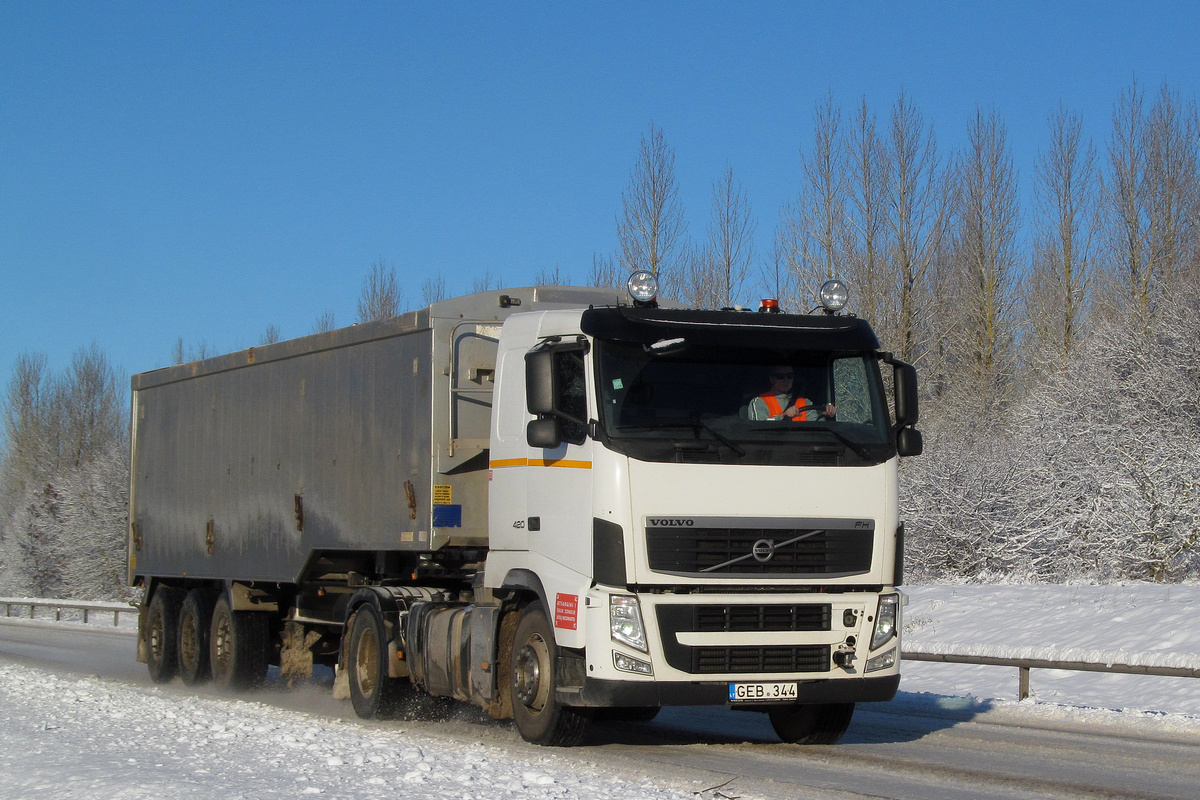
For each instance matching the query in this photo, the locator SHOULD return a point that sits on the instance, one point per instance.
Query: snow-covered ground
(84, 738)
(1136, 624)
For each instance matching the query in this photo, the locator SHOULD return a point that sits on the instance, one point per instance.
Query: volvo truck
(554, 503)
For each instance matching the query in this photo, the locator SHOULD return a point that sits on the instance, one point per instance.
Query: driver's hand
(830, 410)
(791, 411)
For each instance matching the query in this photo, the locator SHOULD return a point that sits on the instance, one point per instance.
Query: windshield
(742, 405)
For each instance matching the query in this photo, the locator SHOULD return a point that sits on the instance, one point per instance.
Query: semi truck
(553, 503)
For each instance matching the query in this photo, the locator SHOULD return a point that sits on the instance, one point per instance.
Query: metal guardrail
(1024, 665)
(86, 608)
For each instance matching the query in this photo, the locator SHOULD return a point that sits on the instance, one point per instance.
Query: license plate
(760, 692)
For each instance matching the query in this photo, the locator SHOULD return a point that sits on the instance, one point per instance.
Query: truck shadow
(910, 717)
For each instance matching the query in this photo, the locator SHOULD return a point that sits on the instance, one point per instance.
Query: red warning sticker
(566, 611)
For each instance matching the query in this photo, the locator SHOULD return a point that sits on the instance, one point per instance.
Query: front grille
(786, 658)
(814, 617)
(705, 660)
(731, 551)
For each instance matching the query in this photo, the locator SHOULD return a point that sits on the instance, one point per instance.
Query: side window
(572, 395)
(851, 389)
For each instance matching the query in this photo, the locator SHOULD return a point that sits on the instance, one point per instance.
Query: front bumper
(600, 693)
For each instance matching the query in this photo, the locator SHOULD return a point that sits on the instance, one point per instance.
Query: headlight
(885, 620)
(625, 620)
(834, 295)
(642, 286)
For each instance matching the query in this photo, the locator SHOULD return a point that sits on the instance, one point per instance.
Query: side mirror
(539, 382)
(544, 432)
(907, 412)
(909, 442)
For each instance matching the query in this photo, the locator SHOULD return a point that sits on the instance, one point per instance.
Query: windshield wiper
(732, 445)
(855, 446)
(696, 426)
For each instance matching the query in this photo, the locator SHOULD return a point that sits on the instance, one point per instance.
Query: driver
(779, 403)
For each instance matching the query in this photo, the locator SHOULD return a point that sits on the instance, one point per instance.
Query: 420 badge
(761, 692)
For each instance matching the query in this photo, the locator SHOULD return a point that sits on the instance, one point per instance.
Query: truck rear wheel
(195, 619)
(540, 718)
(162, 621)
(372, 692)
(811, 724)
(237, 647)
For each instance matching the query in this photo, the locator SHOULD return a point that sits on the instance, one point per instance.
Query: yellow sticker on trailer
(441, 495)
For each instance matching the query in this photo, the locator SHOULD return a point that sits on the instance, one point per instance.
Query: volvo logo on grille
(763, 549)
(670, 522)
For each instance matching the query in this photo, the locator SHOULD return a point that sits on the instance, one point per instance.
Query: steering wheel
(802, 409)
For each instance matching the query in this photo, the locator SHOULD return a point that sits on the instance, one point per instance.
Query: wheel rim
(366, 662)
(156, 637)
(189, 641)
(533, 663)
(222, 643)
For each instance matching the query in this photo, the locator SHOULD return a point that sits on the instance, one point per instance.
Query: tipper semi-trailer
(558, 504)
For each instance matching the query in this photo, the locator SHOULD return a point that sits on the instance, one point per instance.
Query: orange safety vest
(774, 409)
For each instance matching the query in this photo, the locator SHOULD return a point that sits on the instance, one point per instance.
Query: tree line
(1054, 341)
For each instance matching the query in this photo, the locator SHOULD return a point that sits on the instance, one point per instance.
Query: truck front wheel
(372, 691)
(162, 621)
(811, 724)
(540, 718)
(237, 647)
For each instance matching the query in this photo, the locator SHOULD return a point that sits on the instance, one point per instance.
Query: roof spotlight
(642, 286)
(833, 296)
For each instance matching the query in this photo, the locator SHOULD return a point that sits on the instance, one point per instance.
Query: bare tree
(197, 352)
(986, 252)
(381, 294)
(778, 281)
(92, 407)
(433, 289)
(485, 282)
(813, 229)
(551, 277)
(325, 323)
(867, 264)
(651, 228)
(27, 408)
(718, 273)
(1153, 197)
(1067, 225)
(271, 335)
(919, 206)
(604, 272)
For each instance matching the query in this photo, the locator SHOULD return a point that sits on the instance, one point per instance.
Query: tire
(373, 694)
(811, 724)
(237, 647)
(162, 645)
(539, 717)
(195, 620)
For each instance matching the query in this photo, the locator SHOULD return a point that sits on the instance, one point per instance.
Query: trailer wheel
(540, 718)
(195, 619)
(237, 647)
(162, 653)
(372, 692)
(811, 724)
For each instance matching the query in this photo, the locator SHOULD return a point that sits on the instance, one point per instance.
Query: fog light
(882, 661)
(630, 664)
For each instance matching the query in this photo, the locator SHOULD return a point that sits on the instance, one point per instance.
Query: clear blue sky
(205, 170)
